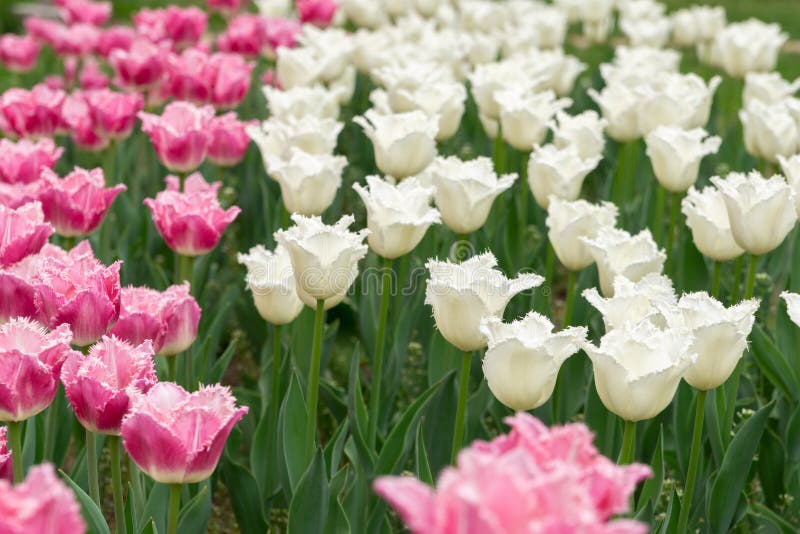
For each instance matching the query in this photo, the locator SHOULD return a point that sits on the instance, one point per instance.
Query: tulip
(6, 460)
(616, 252)
(749, 46)
(792, 301)
(521, 482)
(76, 40)
(490, 78)
(465, 190)
(181, 27)
(300, 101)
(676, 153)
(84, 11)
(282, 33)
(583, 132)
(769, 130)
(115, 37)
(231, 80)
(77, 116)
(791, 169)
(18, 53)
(35, 113)
(114, 114)
(225, 6)
(570, 221)
(650, 299)
(229, 140)
(523, 358)
(23, 231)
(139, 66)
(554, 172)
(92, 77)
(297, 67)
(76, 204)
(191, 222)
(40, 504)
(180, 135)
(707, 217)
(672, 99)
(768, 88)
(275, 138)
(246, 34)
(524, 116)
(271, 280)
(308, 181)
(619, 105)
(23, 161)
(317, 12)
(18, 284)
(697, 24)
(404, 143)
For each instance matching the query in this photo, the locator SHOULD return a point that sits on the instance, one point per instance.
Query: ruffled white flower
(619, 105)
(675, 155)
(274, 8)
(697, 24)
(570, 221)
(297, 67)
(641, 9)
(761, 210)
(523, 358)
(397, 215)
(639, 65)
(441, 99)
(646, 32)
(749, 46)
(524, 116)
(769, 130)
(488, 79)
(583, 132)
(650, 299)
(333, 49)
(792, 306)
(769, 88)
(791, 169)
(682, 100)
(308, 181)
(275, 138)
(557, 172)
(301, 101)
(365, 13)
(461, 295)
(271, 280)
(707, 217)
(465, 190)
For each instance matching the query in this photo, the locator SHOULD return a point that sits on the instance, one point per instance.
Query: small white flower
(650, 299)
(271, 280)
(308, 181)
(618, 253)
(769, 130)
(300, 101)
(486, 80)
(557, 172)
(707, 217)
(682, 100)
(313, 135)
(619, 105)
(675, 155)
(749, 46)
(646, 32)
(769, 88)
(569, 221)
(792, 306)
(583, 132)
(524, 115)
(791, 169)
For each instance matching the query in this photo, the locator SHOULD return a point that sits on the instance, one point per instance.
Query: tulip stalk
(694, 458)
(658, 217)
(186, 264)
(15, 442)
(312, 395)
(524, 193)
(628, 443)
(91, 466)
(499, 155)
(674, 228)
(174, 508)
(380, 343)
(461, 410)
(737, 279)
(751, 277)
(716, 279)
(136, 485)
(570, 301)
(116, 480)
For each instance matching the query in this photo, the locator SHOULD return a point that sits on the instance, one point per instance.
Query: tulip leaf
(357, 414)
(421, 460)
(309, 508)
(651, 489)
(246, 504)
(293, 417)
(149, 527)
(670, 523)
(773, 363)
(335, 447)
(734, 471)
(89, 509)
(195, 515)
(156, 506)
(776, 522)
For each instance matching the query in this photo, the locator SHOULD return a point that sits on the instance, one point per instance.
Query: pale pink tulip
(229, 140)
(18, 283)
(18, 53)
(6, 465)
(91, 76)
(181, 27)
(533, 479)
(30, 363)
(15, 195)
(317, 12)
(114, 114)
(177, 437)
(191, 222)
(282, 32)
(23, 161)
(76, 204)
(246, 34)
(84, 11)
(113, 38)
(41, 504)
(23, 232)
(34, 113)
(179, 135)
(76, 113)
(141, 66)
(98, 385)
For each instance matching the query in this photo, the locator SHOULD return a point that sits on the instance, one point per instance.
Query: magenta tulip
(113, 38)
(177, 437)
(23, 232)
(246, 35)
(6, 465)
(98, 385)
(225, 6)
(18, 53)
(18, 283)
(179, 135)
(34, 113)
(76, 115)
(231, 80)
(23, 161)
(140, 66)
(91, 76)
(317, 12)
(229, 140)
(76, 40)
(114, 114)
(282, 32)
(84, 11)
(42, 504)
(178, 26)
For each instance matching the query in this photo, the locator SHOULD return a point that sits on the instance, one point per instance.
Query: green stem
(461, 411)
(174, 508)
(171, 374)
(549, 273)
(737, 279)
(91, 465)
(116, 479)
(694, 458)
(658, 218)
(275, 393)
(187, 273)
(628, 443)
(751, 277)
(312, 396)
(525, 192)
(52, 427)
(109, 163)
(571, 286)
(136, 483)
(68, 242)
(15, 442)
(674, 210)
(499, 155)
(380, 345)
(715, 279)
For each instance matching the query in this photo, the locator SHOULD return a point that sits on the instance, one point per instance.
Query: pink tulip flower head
(18, 283)
(192, 221)
(42, 504)
(229, 140)
(177, 437)
(246, 35)
(18, 53)
(282, 32)
(98, 385)
(181, 27)
(84, 11)
(179, 135)
(226, 7)
(30, 364)
(232, 76)
(533, 479)
(316, 12)
(169, 319)
(76, 40)
(91, 76)
(23, 161)
(35, 113)
(113, 38)
(78, 290)
(23, 231)
(140, 66)
(77, 115)
(114, 114)
(76, 204)
(6, 465)
(190, 76)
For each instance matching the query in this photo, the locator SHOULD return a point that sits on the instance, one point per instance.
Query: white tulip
(619, 105)
(792, 306)
(720, 337)
(791, 169)
(461, 295)
(682, 100)
(397, 215)
(616, 252)
(465, 190)
(697, 24)
(313, 135)
(641, 9)
(523, 358)
(486, 80)
(675, 155)
(332, 47)
(365, 13)
(650, 299)
(707, 217)
(749, 46)
(769, 130)
(769, 88)
(324, 257)
(344, 87)
(637, 368)
(644, 32)
(569, 221)
(297, 67)
(583, 132)
(274, 8)
(558, 172)
(300, 101)
(761, 211)
(524, 116)
(404, 143)
(572, 8)
(271, 280)
(308, 181)
(444, 100)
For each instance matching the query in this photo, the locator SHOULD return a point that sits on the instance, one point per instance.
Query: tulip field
(375, 266)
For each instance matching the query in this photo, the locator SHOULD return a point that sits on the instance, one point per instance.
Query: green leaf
(771, 455)
(309, 508)
(734, 471)
(421, 460)
(293, 417)
(156, 506)
(149, 528)
(244, 497)
(651, 489)
(195, 515)
(778, 523)
(89, 509)
(670, 523)
(773, 363)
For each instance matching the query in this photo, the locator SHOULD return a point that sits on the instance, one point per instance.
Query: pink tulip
(225, 6)
(139, 67)
(191, 76)
(77, 116)
(229, 140)
(180, 135)
(232, 76)
(246, 34)
(23, 161)
(76, 204)
(30, 363)
(22, 232)
(169, 319)
(18, 53)
(80, 291)
(181, 27)
(42, 504)
(76, 40)
(15, 195)
(177, 437)
(113, 38)
(34, 113)
(282, 32)
(84, 11)
(6, 465)
(91, 76)
(114, 114)
(316, 12)
(533, 479)
(18, 283)
(99, 384)
(192, 221)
